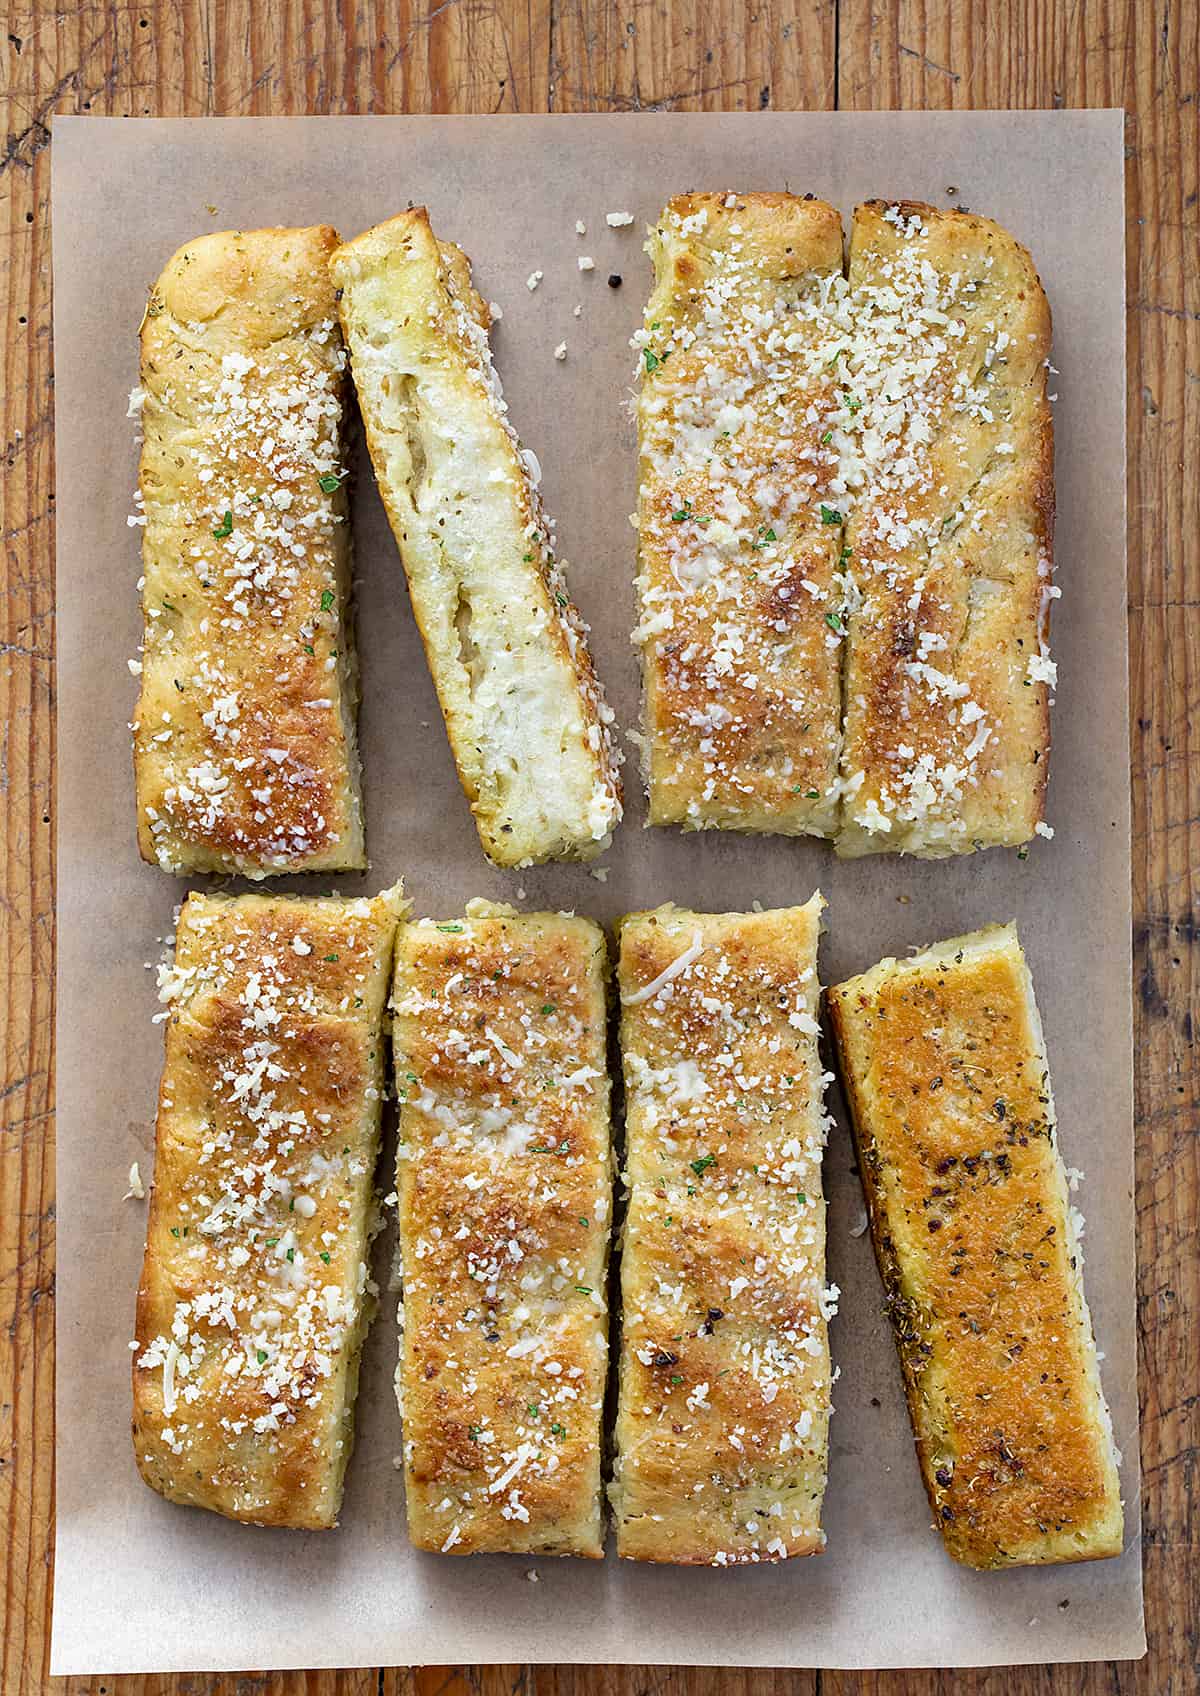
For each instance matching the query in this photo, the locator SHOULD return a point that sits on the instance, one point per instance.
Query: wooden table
(178, 58)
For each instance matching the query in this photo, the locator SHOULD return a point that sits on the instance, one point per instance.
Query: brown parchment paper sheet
(141, 1585)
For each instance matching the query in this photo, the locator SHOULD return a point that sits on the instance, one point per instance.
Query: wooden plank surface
(198, 57)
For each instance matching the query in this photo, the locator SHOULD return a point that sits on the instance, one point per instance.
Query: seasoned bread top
(250, 1310)
(725, 1378)
(244, 730)
(737, 568)
(978, 1242)
(946, 457)
(504, 1180)
(507, 649)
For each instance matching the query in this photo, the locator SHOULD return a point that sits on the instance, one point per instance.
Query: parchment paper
(141, 1585)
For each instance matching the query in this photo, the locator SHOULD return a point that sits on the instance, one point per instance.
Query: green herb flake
(325, 1256)
(834, 622)
(457, 929)
(326, 600)
(558, 1430)
(225, 527)
(831, 515)
(262, 1357)
(826, 438)
(699, 1167)
(330, 956)
(307, 646)
(549, 1008)
(677, 1378)
(583, 1289)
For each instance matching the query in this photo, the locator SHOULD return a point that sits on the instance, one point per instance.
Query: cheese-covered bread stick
(722, 1425)
(504, 1181)
(254, 1299)
(244, 733)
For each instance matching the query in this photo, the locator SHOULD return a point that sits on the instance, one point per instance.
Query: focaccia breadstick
(947, 439)
(504, 1182)
(722, 1425)
(244, 735)
(738, 569)
(524, 712)
(254, 1300)
(977, 1242)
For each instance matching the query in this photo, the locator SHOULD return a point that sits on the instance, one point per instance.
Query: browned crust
(235, 770)
(987, 1309)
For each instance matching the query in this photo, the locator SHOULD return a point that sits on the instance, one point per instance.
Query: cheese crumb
(585, 263)
(617, 220)
(136, 1190)
(533, 279)
(560, 351)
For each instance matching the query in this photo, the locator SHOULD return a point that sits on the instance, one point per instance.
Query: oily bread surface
(978, 1245)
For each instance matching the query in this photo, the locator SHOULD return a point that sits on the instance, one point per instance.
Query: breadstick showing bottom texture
(525, 715)
(978, 1245)
(722, 1426)
(504, 1181)
(255, 1292)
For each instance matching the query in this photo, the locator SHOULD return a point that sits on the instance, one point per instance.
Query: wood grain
(198, 57)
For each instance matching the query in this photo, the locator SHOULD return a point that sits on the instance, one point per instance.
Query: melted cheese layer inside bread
(526, 718)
